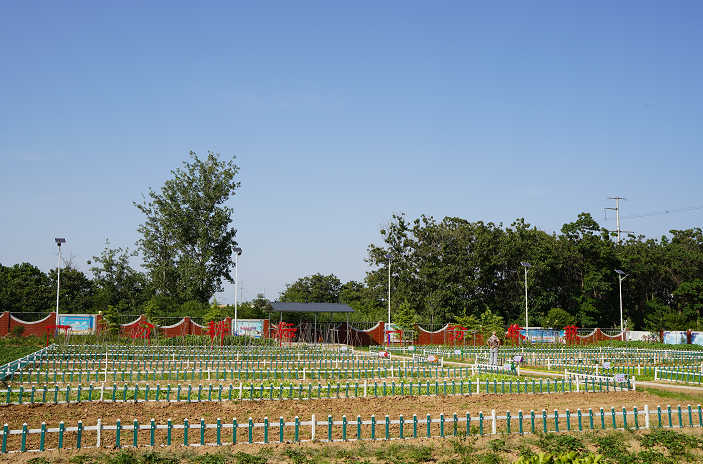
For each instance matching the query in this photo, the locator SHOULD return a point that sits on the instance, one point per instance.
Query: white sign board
(383, 354)
(606, 365)
(620, 378)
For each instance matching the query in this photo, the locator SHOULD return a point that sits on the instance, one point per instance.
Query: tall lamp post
(621, 277)
(58, 241)
(389, 257)
(527, 330)
(236, 279)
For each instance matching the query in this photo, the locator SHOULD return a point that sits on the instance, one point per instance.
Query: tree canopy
(186, 239)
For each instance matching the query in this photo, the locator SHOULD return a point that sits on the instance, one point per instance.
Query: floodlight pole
(389, 257)
(621, 277)
(527, 330)
(58, 241)
(238, 252)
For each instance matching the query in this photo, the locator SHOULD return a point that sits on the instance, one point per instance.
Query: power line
(657, 213)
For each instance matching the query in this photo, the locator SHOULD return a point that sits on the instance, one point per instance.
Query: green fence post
(297, 430)
(118, 430)
(373, 427)
(169, 428)
(429, 422)
(185, 432)
(266, 429)
(5, 431)
(202, 431)
(659, 415)
(358, 427)
(234, 431)
(602, 419)
(42, 436)
(251, 430)
(135, 430)
(23, 446)
(480, 422)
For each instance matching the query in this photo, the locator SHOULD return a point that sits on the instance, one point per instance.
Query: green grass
(13, 348)
(695, 397)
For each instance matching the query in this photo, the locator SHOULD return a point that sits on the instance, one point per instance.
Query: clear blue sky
(341, 114)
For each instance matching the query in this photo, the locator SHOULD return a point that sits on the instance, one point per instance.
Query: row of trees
(451, 270)
(186, 246)
(115, 288)
(442, 271)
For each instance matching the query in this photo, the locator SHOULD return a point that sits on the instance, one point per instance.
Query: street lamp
(389, 257)
(236, 279)
(621, 277)
(58, 241)
(527, 330)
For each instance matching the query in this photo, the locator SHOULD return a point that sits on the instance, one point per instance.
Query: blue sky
(341, 114)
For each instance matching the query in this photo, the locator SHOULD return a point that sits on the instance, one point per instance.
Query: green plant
(558, 443)
(497, 445)
(525, 451)
(571, 457)
(86, 459)
(422, 453)
(296, 455)
(489, 457)
(211, 459)
(39, 460)
(124, 457)
(612, 445)
(244, 458)
(17, 331)
(676, 443)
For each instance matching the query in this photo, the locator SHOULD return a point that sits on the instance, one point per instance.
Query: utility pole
(617, 215)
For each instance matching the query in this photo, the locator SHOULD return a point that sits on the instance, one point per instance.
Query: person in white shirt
(493, 344)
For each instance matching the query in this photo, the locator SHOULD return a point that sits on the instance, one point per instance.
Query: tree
(117, 283)
(25, 288)
(186, 238)
(558, 318)
(76, 291)
(313, 289)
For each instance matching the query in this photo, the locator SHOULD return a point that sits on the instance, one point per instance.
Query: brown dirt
(88, 413)
(34, 415)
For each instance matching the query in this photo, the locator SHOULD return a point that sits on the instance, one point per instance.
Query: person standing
(493, 344)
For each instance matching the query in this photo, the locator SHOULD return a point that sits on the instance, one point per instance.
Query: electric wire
(656, 213)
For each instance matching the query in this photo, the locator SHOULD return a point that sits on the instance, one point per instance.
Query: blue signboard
(675, 337)
(80, 324)
(248, 327)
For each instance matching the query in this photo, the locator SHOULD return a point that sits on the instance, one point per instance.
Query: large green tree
(186, 238)
(316, 288)
(25, 288)
(117, 283)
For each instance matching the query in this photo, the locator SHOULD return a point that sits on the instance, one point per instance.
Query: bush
(17, 330)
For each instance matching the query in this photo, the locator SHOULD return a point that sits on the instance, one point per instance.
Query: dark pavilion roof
(285, 307)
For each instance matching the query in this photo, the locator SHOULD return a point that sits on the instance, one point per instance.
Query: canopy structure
(314, 308)
(285, 307)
